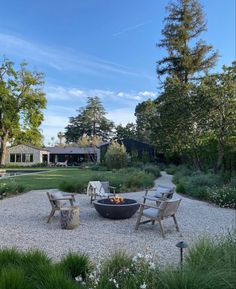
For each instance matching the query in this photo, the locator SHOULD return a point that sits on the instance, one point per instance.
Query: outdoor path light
(182, 245)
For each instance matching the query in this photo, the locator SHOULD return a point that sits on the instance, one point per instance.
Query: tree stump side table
(69, 217)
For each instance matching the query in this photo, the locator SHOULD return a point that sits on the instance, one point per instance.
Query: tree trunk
(4, 148)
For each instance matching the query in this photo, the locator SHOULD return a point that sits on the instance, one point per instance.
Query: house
(73, 155)
(138, 151)
(25, 155)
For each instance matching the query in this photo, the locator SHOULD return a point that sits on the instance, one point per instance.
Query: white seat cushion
(151, 213)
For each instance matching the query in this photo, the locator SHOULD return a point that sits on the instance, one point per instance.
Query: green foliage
(128, 131)
(207, 186)
(119, 261)
(75, 187)
(145, 116)
(180, 188)
(187, 55)
(224, 196)
(10, 187)
(116, 156)
(152, 169)
(10, 257)
(51, 277)
(13, 278)
(22, 101)
(90, 121)
(76, 265)
(207, 254)
(208, 264)
(171, 169)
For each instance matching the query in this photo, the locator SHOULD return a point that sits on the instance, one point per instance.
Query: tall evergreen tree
(90, 121)
(186, 53)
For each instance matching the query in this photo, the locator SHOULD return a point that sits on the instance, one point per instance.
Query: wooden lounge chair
(161, 192)
(101, 189)
(59, 200)
(162, 210)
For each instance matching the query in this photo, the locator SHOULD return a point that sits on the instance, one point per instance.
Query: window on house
(27, 158)
(18, 158)
(23, 158)
(31, 158)
(12, 158)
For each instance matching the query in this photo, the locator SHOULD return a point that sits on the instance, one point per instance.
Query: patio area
(23, 224)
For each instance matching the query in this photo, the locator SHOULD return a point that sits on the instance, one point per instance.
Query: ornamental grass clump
(76, 265)
(116, 156)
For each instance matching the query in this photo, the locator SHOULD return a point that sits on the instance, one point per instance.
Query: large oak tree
(21, 104)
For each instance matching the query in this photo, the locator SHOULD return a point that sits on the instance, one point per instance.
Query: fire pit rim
(116, 211)
(115, 204)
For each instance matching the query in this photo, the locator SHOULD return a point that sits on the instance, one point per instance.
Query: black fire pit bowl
(123, 210)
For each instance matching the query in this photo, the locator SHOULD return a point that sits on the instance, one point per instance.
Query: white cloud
(64, 93)
(131, 28)
(61, 59)
(65, 101)
(147, 94)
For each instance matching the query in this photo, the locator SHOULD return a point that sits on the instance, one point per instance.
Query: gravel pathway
(23, 225)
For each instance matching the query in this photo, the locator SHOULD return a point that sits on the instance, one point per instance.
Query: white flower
(78, 279)
(134, 259)
(151, 265)
(143, 286)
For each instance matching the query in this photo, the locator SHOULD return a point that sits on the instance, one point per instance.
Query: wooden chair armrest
(64, 198)
(112, 187)
(151, 198)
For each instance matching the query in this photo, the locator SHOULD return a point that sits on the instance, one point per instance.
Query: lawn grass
(62, 177)
(52, 178)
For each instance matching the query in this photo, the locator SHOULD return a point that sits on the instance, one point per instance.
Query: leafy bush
(171, 169)
(10, 187)
(74, 187)
(180, 188)
(151, 169)
(223, 196)
(116, 156)
(139, 180)
(99, 168)
(76, 265)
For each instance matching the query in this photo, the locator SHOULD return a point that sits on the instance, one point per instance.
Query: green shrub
(223, 196)
(73, 187)
(171, 169)
(76, 265)
(99, 168)
(180, 188)
(10, 187)
(116, 156)
(151, 169)
(201, 179)
(139, 180)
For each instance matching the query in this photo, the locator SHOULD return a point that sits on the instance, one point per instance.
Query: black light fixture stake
(182, 245)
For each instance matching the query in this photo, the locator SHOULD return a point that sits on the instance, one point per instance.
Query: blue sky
(99, 47)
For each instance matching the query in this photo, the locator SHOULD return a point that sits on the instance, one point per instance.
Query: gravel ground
(23, 225)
